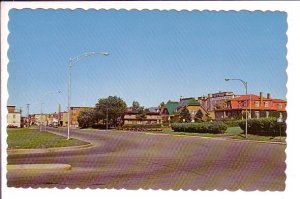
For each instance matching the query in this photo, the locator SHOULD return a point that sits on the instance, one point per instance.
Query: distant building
(193, 106)
(171, 109)
(40, 119)
(168, 110)
(258, 105)
(74, 113)
(13, 117)
(53, 119)
(215, 100)
(63, 119)
(152, 116)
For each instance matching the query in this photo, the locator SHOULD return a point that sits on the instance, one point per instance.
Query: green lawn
(33, 139)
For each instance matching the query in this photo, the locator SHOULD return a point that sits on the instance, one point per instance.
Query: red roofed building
(258, 105)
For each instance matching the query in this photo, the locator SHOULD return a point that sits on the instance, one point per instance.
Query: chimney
(268, 96)
(261, 98)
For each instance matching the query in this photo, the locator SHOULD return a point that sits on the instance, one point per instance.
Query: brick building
(259, 106)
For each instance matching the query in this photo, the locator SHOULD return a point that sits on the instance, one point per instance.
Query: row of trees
(108, 112)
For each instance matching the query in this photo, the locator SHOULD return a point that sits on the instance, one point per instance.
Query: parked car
(11, 126)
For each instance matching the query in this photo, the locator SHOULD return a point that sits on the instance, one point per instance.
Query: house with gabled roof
(168, 110)
(171, 109)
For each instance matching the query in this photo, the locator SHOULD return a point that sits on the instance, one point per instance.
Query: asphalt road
(137, 160)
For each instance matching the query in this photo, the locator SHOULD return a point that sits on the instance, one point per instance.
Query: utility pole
(58, 115)
(28, 121)
(106, 117)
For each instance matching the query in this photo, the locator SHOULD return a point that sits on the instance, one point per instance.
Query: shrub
(137, 127)
(264, 126)
(232, 122)
(215, 127)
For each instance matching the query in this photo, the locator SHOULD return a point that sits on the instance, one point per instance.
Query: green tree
(112, 107)
(86, 118)
(185, 115)
(141, 113)
(135, 105)
(199, 116)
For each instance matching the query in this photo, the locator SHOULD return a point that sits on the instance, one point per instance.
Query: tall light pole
(28, 122)
(246, 88)
(73, 61)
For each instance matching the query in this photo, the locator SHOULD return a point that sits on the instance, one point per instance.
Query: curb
(38, 167)
(216, 138)
(47, 150)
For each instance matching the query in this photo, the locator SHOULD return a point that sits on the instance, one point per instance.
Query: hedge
(215, 127)
(138, 127)
(264, 126)
(232, 122)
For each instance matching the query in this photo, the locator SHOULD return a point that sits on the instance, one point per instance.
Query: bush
(215, 127)
(264, 126)
(232, 123)
(140, 127)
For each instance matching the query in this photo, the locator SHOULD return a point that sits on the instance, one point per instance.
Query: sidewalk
(38, 167)
(46, 150)
(227, 138)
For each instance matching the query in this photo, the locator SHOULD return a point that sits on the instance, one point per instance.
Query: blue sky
(154, 55)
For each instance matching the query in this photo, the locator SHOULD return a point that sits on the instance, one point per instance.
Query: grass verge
(33, 139)
(231, 132)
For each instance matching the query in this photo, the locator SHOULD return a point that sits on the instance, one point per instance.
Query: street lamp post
(73, 61)
(246, 88)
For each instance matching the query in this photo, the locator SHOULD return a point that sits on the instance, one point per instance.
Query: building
(215, 100)
(152, 116)
(167, 111)
(170, 112)
(258, 106)
(40, 119)
(193, 106)
(63, 119)
(53, 119)
(74, 113)
(13, 117)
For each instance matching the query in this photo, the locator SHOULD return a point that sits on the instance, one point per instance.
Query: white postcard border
(293, 54)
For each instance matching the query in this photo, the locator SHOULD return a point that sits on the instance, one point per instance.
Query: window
(14, 116)
(280, 106)
(266, 104)
(256, 103)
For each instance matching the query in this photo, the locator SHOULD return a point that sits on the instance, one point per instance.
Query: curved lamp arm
(76, 59)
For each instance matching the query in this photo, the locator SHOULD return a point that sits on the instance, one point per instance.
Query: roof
(153, 110)
(171, 106)
(248, 97)
(279, 100)
(188, 102)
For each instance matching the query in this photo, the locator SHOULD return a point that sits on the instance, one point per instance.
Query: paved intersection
(137, 160)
